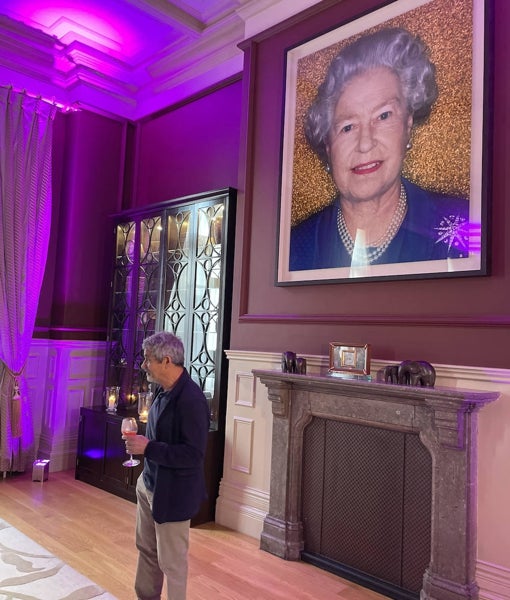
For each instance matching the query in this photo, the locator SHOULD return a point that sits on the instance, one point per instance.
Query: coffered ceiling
(128, 57)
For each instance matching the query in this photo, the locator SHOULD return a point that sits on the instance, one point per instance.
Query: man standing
(171, 487)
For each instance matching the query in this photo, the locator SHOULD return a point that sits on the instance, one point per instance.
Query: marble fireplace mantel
(446, 421)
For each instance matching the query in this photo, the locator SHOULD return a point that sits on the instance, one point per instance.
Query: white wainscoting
(62, 376)
(243, 499)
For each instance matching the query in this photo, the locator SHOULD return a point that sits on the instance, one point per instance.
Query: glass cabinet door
(125, 276)
(147, 293)
(135, 301)
(176, 309)
(193, 286)
(173, 272)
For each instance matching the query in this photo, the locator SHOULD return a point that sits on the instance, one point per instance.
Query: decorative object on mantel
(301, 365)
(349, 360)
(410, 372)
(388, 374)
(293, 364)
(288, 362)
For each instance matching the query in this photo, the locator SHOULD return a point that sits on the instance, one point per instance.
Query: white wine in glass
(129, 427)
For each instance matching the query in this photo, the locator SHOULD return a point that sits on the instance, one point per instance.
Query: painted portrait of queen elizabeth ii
(360, 126)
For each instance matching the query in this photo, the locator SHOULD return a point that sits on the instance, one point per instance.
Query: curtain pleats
(26, 126)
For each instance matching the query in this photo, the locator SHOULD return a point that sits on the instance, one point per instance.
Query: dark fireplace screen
(366, 505)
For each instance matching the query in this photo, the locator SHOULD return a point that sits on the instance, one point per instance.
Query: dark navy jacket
(174, 457)
(435, 227)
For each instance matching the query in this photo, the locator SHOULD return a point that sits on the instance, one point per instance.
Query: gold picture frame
(349, 358)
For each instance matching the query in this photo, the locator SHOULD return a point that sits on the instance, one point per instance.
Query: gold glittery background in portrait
(440, 155)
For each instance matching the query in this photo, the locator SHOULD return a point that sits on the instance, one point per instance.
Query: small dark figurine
(390, 373)
(417, 373)
(301, 365)
(409, 372)
(289, 362)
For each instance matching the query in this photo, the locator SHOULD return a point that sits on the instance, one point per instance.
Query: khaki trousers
(162, 551)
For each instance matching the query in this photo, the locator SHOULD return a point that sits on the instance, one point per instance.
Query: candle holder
(144, 403)
(131, 399)
(112, 398)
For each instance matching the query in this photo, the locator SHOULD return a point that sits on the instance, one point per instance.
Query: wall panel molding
(242, 444)
(245, 389)
(62, 376)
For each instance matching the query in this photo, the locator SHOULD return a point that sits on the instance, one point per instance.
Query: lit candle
(144, 414)
(111, 402)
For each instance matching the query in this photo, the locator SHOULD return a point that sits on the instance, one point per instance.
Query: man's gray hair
(163, 344)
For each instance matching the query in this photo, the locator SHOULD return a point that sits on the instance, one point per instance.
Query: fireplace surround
(446, 422)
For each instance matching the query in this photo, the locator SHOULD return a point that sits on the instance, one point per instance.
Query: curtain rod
(63, 107)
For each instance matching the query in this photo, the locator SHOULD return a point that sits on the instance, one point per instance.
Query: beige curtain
(26, 125)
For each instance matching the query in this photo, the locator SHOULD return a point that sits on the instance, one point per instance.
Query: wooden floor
(93, 531)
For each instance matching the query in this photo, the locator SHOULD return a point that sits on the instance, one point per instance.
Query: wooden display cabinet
(101, 452)
(172, 270)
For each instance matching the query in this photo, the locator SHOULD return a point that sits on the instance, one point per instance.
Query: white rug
(29, 572)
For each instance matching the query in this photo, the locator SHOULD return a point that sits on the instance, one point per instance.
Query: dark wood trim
(245, 176)
(193, 98)
(70, 333)
(498, 321)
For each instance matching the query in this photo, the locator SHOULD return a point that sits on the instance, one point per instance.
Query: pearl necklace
(382, 243)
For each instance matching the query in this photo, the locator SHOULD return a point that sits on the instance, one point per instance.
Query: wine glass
(129, 427)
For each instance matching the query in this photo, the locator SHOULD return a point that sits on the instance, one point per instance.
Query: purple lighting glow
(131, 34)
(94, 453)
(128, 58)
(49, 16)
(475, 238)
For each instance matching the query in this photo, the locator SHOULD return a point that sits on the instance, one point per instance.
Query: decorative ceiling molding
(172, 14)
(132, 57)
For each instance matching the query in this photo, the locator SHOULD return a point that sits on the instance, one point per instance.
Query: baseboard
(493, 581)
(242, 509)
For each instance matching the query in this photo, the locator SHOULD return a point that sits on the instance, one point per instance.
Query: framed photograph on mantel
(348, 359)
(385, 147)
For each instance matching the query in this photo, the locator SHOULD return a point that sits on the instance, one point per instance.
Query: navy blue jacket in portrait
(177, 428)
(435, 227)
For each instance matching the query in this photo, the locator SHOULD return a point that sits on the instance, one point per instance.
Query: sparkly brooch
(453, 230)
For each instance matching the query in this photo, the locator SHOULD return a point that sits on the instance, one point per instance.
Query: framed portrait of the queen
(385, 147)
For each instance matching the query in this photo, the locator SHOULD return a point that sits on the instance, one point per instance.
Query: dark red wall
(451, 321)
(194, 147)
(103, 165)
(191, 148)
(88, 167)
